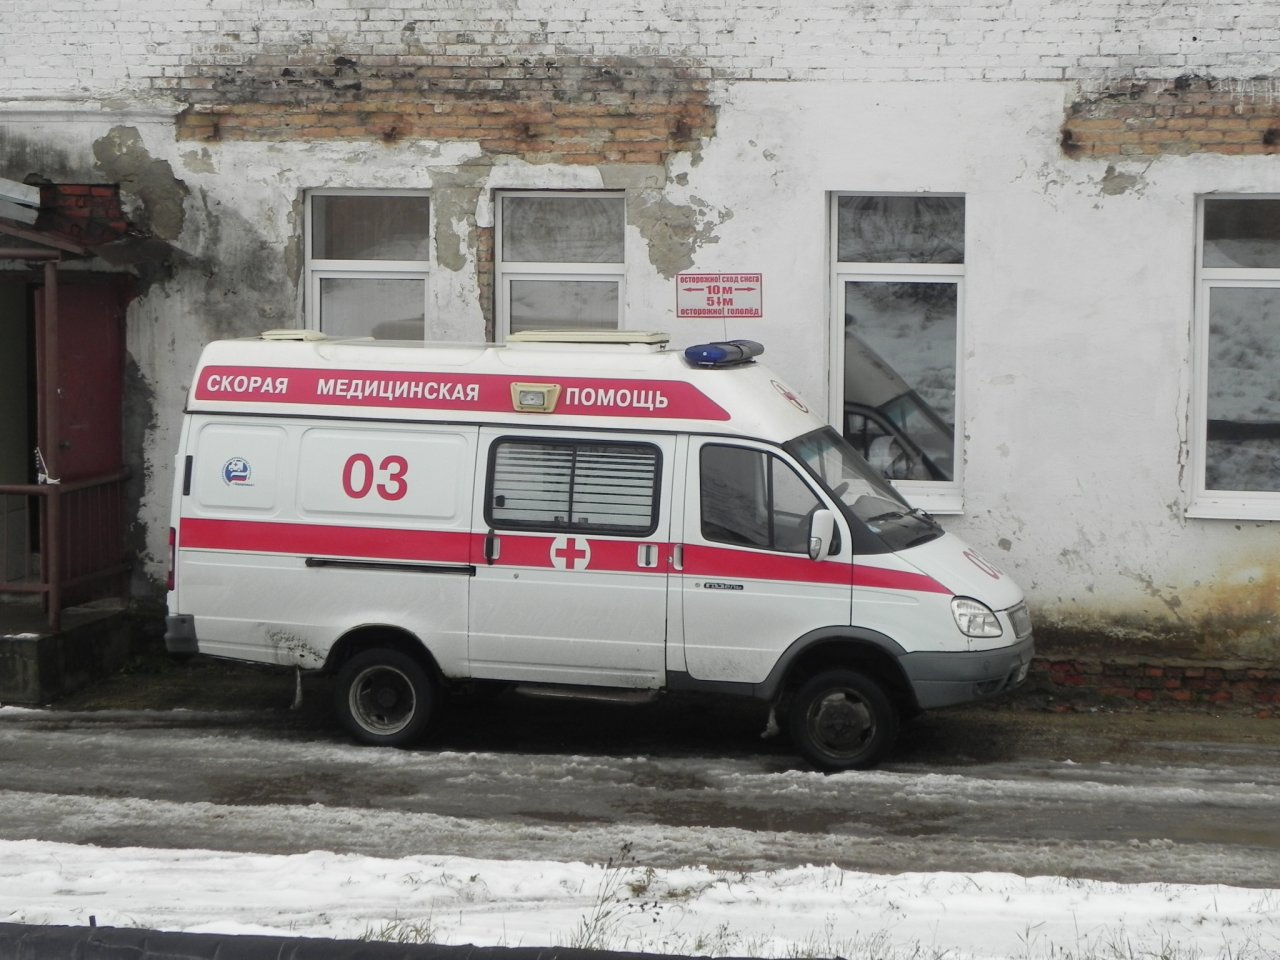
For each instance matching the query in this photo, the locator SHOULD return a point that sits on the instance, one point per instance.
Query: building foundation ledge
(38, 666)
(1073, 680)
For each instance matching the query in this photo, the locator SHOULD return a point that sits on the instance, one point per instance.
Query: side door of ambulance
(571, 557)
(747, 585)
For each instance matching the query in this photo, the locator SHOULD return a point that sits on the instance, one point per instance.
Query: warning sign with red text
(719, 295)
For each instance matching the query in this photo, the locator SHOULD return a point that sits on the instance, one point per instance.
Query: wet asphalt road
(205, 755)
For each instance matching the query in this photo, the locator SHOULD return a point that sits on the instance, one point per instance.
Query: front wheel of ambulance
(384, 698)
(842, 720)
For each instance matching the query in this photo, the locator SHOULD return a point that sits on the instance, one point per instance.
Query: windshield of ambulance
(863, 494)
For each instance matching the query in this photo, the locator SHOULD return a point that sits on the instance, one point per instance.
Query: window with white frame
(560, 260)
(368, 260)
(568, 485)
(1237, 400)
(898, 285)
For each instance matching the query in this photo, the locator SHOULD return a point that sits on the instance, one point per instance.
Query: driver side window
(754, 499)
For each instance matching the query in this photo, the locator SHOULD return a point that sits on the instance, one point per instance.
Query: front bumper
(945, 679)
(180, 635)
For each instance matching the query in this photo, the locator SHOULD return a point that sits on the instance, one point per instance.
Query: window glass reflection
(370, 227)
(563, 304)
(1243, 407)
(900, 376)
(385, 309)
(1242, 233)
(750, 498)
(563, 229)
(891, 229)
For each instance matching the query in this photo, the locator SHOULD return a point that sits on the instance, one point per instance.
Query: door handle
(677, 556)
(492, 547)
(647, 555)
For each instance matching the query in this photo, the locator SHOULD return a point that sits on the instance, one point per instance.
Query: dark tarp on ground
(29, 942)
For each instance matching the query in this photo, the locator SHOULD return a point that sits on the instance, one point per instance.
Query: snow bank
(807, 911)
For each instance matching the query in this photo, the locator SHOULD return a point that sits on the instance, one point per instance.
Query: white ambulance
(568, 514)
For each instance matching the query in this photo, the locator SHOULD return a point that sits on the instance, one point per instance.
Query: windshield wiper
(891, 515)
(914, 512)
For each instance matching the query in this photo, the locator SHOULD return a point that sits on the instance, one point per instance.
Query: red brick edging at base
(1240, 687)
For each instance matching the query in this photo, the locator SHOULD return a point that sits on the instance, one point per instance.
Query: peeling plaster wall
(1076, 357)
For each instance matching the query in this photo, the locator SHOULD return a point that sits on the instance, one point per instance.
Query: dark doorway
(62, 512)
(19, 529)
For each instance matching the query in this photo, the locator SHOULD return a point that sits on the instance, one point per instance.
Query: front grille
(1020, 617)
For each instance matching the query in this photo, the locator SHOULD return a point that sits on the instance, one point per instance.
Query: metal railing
(82, 554)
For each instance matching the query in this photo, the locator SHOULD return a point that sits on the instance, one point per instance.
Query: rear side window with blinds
(575, 486)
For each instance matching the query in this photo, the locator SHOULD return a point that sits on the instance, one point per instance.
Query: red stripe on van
(317, 540)
(423, 546)
(580, 553)
(878, 578)
(534, 551)
(700, 561)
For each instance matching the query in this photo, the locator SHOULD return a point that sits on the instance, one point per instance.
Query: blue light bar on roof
(722, 354)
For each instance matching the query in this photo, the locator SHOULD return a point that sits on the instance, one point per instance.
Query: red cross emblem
(791, 395)
(983, 564)
(566, 552)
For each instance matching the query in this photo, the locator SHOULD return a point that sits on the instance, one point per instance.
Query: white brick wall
(102, 48)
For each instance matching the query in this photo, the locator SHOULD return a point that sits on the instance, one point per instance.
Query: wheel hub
(382, 700)
(842, 721)
(385, 696)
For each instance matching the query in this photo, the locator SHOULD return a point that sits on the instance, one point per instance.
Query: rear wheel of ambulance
(385, 698)
(842, 720)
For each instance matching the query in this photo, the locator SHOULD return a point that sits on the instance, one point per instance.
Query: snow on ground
(808, 911)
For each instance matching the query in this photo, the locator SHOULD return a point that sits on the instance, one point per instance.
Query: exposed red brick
(1151, 684)
(88, 214)
(1124, 693)
(1179, 117)
(572, 110)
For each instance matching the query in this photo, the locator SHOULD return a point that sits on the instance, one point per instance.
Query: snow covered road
(267, 782)
(991, 835)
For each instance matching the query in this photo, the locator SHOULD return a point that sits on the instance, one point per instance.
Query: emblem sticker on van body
(790, 395)
(236, 472)
(983, 564)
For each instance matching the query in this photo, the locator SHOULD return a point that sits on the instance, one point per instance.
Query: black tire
(385, 698)
(842, 720)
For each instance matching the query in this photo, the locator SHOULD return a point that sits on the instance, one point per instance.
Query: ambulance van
(567, 514)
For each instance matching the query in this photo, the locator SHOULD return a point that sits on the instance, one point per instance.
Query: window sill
(1235, 508)
(938, 502)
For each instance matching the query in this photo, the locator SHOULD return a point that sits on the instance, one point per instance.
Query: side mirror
(822, 528)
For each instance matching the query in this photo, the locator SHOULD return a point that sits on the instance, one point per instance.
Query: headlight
(974, 618)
